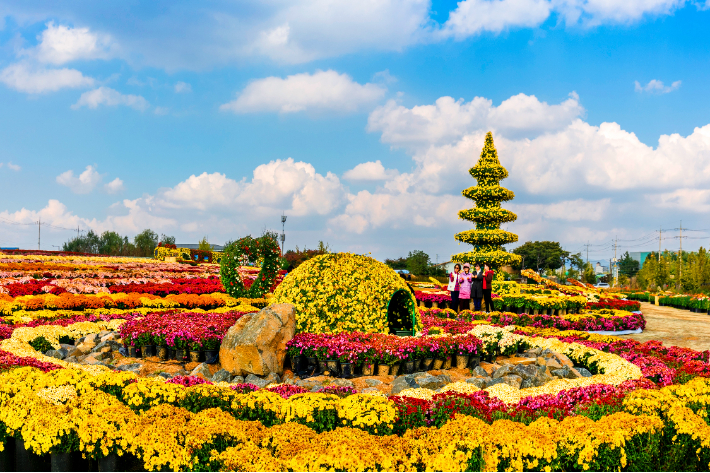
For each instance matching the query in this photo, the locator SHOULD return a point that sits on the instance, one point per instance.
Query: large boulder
(256, 344)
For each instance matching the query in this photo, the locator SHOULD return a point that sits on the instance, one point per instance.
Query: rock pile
(533, 368)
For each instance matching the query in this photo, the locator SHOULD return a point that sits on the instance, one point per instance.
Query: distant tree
(204, 245)
(418, 262)
(399, 263)
(628, 266)
(88, 243)
(588, 276)
(167, 240)
(110, 243)
(293, 259)
(145, 242)
(542, 255)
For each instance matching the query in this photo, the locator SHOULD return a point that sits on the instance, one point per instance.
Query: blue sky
(357, 119)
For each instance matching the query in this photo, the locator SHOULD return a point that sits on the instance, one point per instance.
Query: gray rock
(272, 378)
(103, 333)
(431, 382)
(341, 382)
(480, 372)
(494, 381)
(58, 354)
(71, 359)
(255, 380)
(583, 371)
(526, 371)
(181, 373)
(513, 380)
(289, 380)
(406, 381)
(133, 367)
(92, 337)
(237, 380)
(373, 382)
(505, 370)
(108, 343)
(221, 375)
(67, 346)
(165, 375)
(561, 372)
(202, 370)
(370, 390)
(480, 383)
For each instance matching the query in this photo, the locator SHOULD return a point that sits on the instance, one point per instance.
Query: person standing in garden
(477, 286)
(465, 295)
(487, 286)
(455, 286)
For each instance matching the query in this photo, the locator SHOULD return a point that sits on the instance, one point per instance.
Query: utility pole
(39, 233)
(77, 231)
(587, 245)
(660, 238)
(615, 270)
(680, 255)
(283, 232)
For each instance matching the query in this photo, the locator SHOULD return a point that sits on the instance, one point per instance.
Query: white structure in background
(599, 269)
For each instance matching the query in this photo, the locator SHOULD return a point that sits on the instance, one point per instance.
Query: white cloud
(182, 88)
(656, 87)
(60, 44)
(321, 91)
(14, 167)
(114, 186)
(546, 149)
(277, 185)
(448, 119)
(567, 210)
(473, 17)
(110, 97)
(369, 171)
(688, 200)
(161, 110)
(83, 184)
(24, 77)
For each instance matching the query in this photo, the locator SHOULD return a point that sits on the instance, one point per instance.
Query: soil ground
(674, 327)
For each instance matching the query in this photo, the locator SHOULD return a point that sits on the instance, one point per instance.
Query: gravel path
(674, 327)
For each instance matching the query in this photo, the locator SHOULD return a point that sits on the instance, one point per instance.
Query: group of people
(468, 285)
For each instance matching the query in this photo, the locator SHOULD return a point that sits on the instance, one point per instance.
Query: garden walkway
(674, 327)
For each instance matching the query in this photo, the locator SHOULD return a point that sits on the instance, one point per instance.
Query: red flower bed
(184, 330)
(8, 360)
(617, 304)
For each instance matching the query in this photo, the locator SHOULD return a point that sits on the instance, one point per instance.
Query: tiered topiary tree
(487, 238)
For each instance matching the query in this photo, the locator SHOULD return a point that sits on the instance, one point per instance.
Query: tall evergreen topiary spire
(487, 237)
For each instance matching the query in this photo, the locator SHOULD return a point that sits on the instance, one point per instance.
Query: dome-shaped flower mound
(343, 292)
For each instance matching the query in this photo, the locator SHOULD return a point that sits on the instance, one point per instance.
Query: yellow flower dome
(343, 292)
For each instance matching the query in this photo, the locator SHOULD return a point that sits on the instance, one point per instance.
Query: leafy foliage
(264, 250)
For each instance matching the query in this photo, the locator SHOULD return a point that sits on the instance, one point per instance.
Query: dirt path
(675, 327)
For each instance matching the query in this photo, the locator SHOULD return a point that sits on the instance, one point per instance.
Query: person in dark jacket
(477, 287)
(488, 286)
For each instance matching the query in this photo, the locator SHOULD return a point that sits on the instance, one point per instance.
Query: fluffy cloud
(24, 77)
(60, 44)
(688, 200)
(14, 167)
(182, 88)
(110, 97)
(321, 91)
(114, 186)
(656, 87)
(369, 171)
(559, 153)
(275, 186)
(301, 31)
(448, 120)
(568, 210)
(82, 184)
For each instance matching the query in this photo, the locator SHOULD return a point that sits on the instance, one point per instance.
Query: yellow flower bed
(341, 292)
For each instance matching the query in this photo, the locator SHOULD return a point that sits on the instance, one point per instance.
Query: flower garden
(373, 367)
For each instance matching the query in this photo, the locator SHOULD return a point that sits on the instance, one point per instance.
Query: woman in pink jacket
(465, 292)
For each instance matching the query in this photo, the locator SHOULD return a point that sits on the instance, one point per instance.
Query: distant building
(193, 246)
(599, 269)
(640, 256)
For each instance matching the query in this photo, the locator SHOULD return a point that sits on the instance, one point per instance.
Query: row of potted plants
(182, 333)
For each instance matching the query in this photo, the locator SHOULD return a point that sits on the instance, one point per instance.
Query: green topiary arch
(343, 292)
